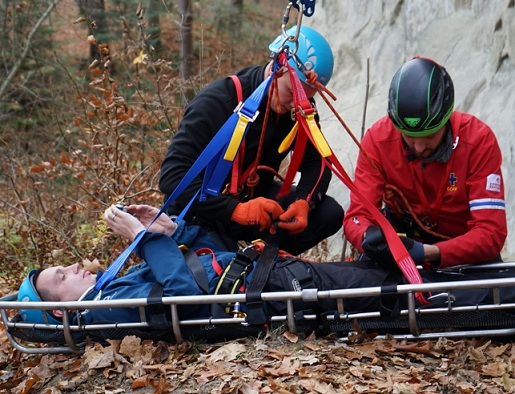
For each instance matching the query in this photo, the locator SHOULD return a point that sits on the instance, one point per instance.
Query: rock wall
(473, 39)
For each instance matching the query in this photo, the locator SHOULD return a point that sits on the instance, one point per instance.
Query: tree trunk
(186, 67)
(153, 30)
(95, 11)
(235, 24)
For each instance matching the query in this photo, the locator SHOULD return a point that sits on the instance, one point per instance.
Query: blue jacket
(164, 263)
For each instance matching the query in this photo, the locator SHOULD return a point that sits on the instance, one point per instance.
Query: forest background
(91, 93)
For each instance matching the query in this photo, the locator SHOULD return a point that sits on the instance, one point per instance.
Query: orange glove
(295, 219)
(259, 211)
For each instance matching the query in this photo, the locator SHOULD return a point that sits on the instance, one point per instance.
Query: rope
(253, 178)
(390, 190)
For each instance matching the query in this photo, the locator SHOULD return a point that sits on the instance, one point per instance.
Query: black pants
(323, 222)
(347, 275)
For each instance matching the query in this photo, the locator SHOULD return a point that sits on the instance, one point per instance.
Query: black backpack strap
(156, 308)
(197, 269)
(254, 302)
(390, 304)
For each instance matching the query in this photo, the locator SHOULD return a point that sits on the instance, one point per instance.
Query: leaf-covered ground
(279, 363)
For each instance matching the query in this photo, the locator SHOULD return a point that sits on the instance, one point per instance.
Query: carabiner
(286, 18)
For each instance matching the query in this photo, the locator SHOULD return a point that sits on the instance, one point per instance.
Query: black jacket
(203, 117)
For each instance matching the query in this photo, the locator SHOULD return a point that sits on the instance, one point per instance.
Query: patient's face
(64, 283)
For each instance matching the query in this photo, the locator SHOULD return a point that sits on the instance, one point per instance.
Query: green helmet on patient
(421, 98)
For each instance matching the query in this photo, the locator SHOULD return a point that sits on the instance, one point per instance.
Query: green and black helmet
(421, 97)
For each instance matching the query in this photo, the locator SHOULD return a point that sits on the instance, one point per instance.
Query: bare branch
(20, 60)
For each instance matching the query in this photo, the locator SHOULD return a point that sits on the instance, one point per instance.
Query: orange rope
(390, 190)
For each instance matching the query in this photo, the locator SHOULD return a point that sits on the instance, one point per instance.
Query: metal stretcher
(438, 319)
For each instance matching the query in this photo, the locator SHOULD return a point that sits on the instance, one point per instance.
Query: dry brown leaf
(494, 369)
(293, 338)
(496, 351)
(91, 266)
(425, 347)
(314, 386)
(130, 346)
(466, 387)
(142, 381)
(313, 346)
(226, 353)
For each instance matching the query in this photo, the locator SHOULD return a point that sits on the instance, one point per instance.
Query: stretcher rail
(411, 323)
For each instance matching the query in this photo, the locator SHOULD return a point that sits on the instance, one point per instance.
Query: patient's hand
(123, 223)
(146, 213)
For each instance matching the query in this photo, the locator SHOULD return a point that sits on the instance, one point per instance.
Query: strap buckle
(242, 111)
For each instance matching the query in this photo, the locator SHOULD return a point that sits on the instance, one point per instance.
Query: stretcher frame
(413, 323)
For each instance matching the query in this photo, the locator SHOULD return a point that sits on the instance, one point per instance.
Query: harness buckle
(242, 111)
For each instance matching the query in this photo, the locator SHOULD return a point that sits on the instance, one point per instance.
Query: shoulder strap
(235, 173)
(237, 85)
(197, 269)
(254, 302)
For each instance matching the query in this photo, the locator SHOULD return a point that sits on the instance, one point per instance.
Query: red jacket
(472, 209)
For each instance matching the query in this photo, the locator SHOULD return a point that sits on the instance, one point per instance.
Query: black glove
(375, 247)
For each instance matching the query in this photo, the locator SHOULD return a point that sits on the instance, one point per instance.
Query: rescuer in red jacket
(435, 173)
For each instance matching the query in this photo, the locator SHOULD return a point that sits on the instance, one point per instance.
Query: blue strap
(217, 168)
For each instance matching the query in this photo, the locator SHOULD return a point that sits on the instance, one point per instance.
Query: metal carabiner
(286, 18)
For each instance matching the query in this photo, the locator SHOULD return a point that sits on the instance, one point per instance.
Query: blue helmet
(312, 49)
(28, 292)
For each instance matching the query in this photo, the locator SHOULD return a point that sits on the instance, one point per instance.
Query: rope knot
(253, 180)
(311, 77)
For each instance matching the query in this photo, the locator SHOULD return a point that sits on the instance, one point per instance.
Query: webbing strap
(233, 132)
(304, 280)
(197, 269)
(156, 308)
(399, 252)
(253, 300)
(238, 159)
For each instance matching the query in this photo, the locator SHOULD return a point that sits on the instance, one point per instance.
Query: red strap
(302, 106)
(238, 159)
(216, 265)
(399, 252)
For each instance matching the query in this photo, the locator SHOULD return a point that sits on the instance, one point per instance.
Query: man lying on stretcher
(163, 250)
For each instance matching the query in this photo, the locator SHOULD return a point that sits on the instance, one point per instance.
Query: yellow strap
(288, 140)
(320, 141)
(236, 138)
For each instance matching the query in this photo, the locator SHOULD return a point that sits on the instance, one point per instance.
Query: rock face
(473, 39)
